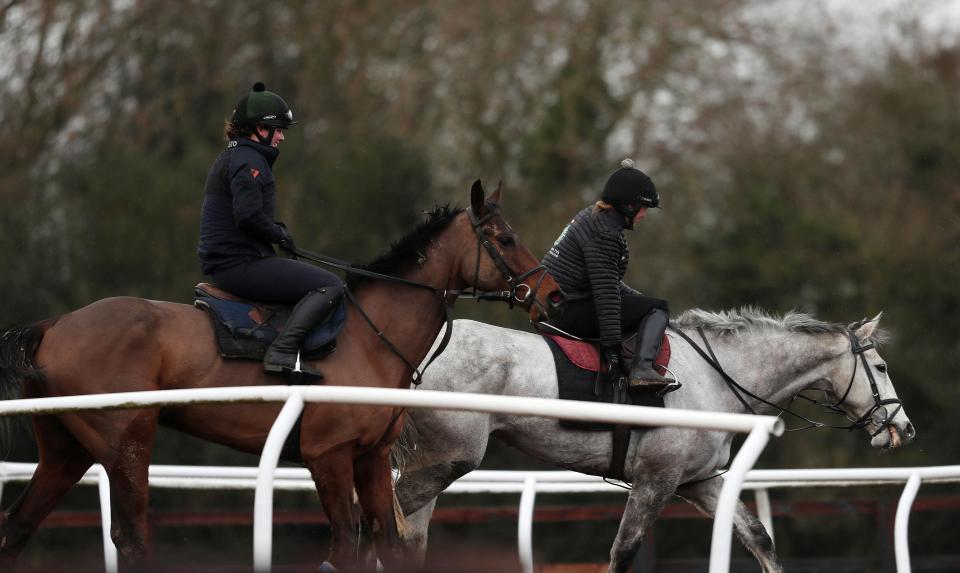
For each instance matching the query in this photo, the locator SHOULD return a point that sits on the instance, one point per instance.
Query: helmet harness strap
(269, 137)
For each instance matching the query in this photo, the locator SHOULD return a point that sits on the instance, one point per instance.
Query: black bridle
(879, 405)
(520, 292)
(876, 414)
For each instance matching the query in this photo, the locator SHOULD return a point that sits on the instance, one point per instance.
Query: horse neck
(777, 365)
(411, 317)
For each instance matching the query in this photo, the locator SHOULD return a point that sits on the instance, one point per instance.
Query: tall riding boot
(642, 374)
(312, 309)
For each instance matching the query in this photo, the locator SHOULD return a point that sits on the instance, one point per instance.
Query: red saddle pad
(586, 355)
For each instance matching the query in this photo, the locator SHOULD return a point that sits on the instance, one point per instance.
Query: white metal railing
(759, 429)
(528, 484)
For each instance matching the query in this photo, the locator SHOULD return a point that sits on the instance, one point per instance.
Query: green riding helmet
(260, 107)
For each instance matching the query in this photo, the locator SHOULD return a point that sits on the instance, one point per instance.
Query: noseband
(520, 292)
(878, 413)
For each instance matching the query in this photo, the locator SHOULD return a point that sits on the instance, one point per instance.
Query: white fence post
(901, 542)
(525, 523)
(263, 498)
(730, 494)
(109, 549)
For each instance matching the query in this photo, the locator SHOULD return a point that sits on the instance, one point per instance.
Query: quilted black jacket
(589, 259)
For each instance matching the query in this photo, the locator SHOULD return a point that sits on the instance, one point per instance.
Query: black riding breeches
(580, 317)
(275, 279)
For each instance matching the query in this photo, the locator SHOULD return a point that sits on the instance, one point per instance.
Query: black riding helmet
(260, 107)
(628, 189)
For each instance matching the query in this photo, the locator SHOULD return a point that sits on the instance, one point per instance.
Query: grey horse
(774, 358)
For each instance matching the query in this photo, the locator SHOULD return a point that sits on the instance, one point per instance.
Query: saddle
(581, 376)
(244, 329)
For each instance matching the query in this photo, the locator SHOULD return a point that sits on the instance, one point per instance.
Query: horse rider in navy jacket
(589, 260)
(238, 229)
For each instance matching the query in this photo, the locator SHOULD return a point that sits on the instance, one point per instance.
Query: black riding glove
(285, 242)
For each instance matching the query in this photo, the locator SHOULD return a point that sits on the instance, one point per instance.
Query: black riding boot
(642, 374)
(312, 309)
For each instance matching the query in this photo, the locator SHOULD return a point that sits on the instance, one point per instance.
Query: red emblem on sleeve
(254, 172)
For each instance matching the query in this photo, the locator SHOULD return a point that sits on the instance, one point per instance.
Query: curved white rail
(517, 405)
(521, 406)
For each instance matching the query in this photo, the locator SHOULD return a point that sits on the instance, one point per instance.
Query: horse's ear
(476, 198)
(496, 195)
(866, 330)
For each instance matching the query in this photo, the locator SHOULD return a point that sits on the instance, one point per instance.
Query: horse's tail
(405, 448)
(18, 344)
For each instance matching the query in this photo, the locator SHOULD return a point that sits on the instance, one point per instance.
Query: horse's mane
(750, 319)
(406, 252)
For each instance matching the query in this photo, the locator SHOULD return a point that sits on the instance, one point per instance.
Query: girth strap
(621, 442)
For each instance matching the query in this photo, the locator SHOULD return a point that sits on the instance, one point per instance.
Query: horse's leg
(415, 533)
(646, 500)
(332, 472)
(373, 480)
(63, 461)
(128, 471)
(705, 495)
(449, 446)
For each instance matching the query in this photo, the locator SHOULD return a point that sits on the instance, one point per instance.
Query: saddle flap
(575, 383)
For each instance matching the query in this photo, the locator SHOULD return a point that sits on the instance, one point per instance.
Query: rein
(879, 405)
(417, 377)
(512, 296)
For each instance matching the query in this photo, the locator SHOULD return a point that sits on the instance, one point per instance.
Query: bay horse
(128, 344)
(774, 359)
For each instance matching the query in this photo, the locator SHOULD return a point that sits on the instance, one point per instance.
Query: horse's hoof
(327, 567)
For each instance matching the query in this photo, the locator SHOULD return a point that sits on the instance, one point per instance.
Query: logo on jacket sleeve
(254, 172)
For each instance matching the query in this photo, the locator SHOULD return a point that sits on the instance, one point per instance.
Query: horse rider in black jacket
(589, 260)
(238, 229)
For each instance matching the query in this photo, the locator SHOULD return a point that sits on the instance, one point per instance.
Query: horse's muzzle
(894, 436)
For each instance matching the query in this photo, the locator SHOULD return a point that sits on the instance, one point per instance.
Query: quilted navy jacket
(237, 221)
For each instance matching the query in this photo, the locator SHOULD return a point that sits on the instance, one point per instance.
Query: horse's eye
(505, 240)
(881, 368)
